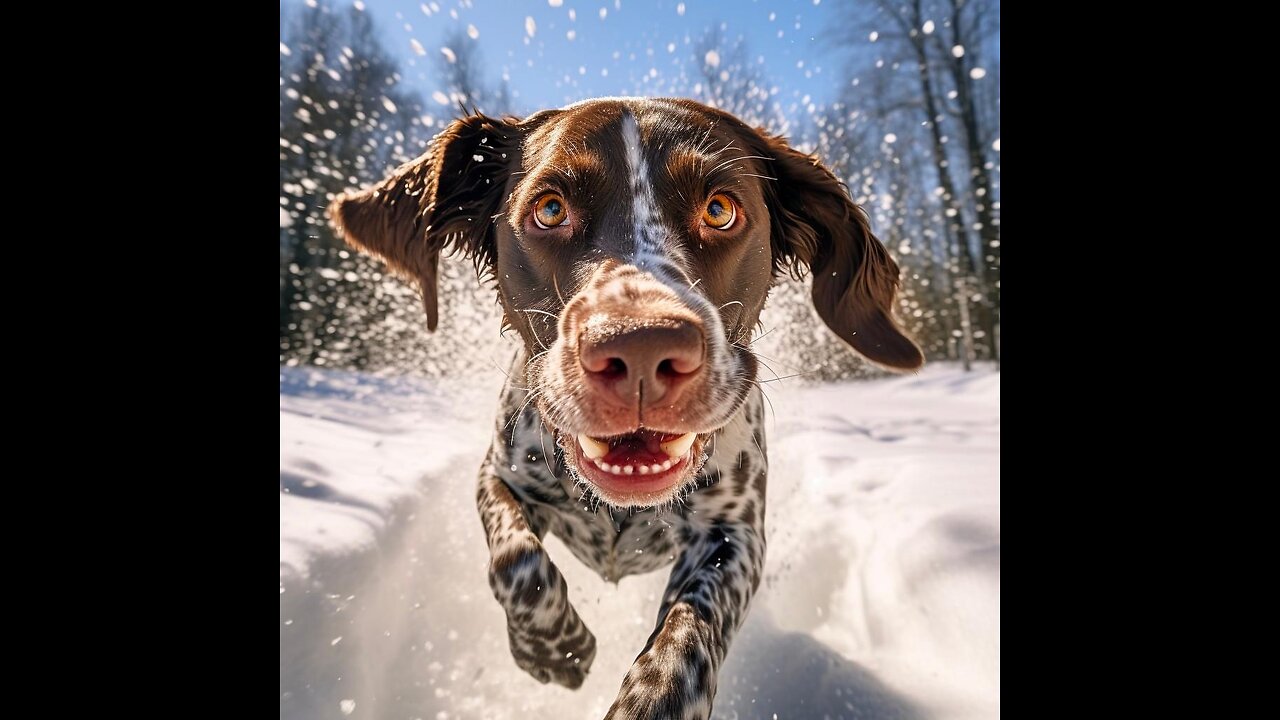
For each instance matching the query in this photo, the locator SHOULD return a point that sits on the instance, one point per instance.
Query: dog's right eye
(720, 212)
(550, 210)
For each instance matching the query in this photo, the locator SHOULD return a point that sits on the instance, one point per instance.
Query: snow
(530, 27)
(880, 597)
(977, 73)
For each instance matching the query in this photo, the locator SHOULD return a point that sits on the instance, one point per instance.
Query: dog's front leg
(706, 600)
(548, 639)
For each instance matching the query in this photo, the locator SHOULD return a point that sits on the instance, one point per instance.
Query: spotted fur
(715, 534)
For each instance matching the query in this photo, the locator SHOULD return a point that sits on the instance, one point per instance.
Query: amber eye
(720, 212)
(550, 210)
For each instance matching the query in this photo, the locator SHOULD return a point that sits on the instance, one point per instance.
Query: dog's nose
(642, 365)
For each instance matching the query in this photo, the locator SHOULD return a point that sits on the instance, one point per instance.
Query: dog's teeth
(678, 447)
(600, 465)
(628, 470)
(592, 448)
(655, 468)
(644, 469)
(616, 469)
(666, 466)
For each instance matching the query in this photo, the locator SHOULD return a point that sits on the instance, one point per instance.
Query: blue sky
(652, 41)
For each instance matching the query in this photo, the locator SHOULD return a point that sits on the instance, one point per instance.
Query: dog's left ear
(445, 199)
(816, 225)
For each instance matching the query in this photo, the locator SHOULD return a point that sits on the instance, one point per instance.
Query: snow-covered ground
(882, 590)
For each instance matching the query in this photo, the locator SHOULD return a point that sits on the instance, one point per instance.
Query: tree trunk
(988, 230)
(997, 331)
(966, 272)
(966, 327)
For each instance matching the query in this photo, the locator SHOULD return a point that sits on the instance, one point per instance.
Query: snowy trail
(880, 600)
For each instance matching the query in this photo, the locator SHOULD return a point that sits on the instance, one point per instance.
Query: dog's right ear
(445, 199)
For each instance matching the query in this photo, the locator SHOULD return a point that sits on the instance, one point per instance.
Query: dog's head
(634, 242)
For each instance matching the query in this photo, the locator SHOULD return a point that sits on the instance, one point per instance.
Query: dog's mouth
(644, 467)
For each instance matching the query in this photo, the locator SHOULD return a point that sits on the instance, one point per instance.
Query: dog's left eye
(720, 212)
(550, 210)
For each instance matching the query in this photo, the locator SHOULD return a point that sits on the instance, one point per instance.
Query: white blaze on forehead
(647, 231)
(655, 255)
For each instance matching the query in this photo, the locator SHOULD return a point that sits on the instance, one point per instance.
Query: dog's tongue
(640, 448)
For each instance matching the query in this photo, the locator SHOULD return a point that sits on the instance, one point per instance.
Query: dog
(633, 243)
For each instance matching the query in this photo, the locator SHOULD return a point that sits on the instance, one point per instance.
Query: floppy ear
(816, 225)
(445, 199)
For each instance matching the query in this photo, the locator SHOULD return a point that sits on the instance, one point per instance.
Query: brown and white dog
(634, 242)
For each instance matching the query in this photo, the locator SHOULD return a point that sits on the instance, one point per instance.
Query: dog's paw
(564, 661)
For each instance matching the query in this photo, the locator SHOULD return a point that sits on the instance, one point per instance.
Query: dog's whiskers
(785, 377)
(530, 324)
(555, 283)
(753, 342)
(505, 374)
(734, 160)
(723, 150)
(765, 395)
(542, 440)
(529, 363)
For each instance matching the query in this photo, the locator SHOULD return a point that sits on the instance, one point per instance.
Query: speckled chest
(620, 542)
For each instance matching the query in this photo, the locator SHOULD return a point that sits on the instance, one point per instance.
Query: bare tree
(885, 171)
(460, 64)
(911, 63)
(343, 121)
(968, 33)
(729, 79)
